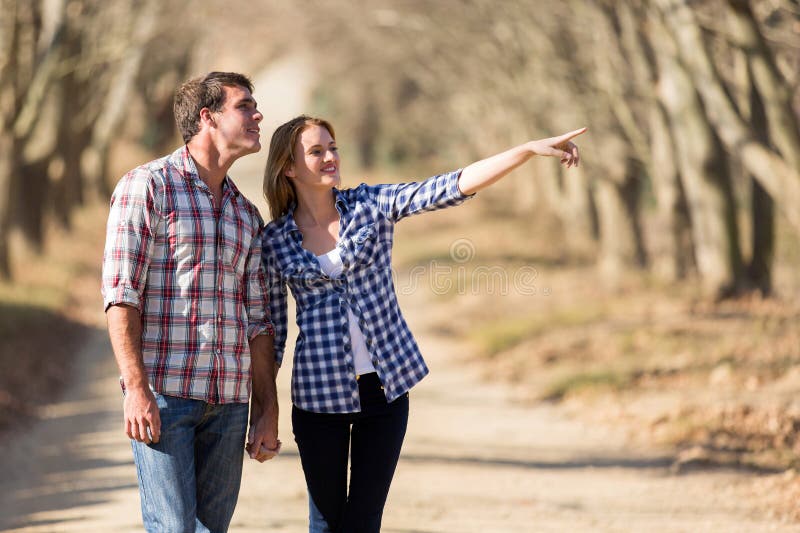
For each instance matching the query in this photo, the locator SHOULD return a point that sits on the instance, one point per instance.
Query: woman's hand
(485, 172)
(561, 147)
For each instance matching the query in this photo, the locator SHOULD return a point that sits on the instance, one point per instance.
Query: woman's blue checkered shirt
(323, 378)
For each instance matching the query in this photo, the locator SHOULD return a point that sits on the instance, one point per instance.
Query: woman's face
(316, 159)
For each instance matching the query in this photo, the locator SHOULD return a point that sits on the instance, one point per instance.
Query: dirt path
(474, 461)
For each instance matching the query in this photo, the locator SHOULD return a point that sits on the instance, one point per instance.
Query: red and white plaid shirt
(194, 274)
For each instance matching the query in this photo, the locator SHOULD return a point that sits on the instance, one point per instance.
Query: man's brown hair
(204, 91)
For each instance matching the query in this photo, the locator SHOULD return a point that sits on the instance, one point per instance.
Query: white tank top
(331, 264)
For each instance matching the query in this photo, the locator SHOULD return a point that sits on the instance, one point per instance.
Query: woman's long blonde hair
(278, 189)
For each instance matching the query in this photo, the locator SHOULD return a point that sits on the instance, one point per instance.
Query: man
(184, 293)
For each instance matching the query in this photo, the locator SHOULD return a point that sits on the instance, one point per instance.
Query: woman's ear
(289, 171)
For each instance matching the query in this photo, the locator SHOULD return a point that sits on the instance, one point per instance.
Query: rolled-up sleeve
(132, 219)
(256, 296)
(398, 201)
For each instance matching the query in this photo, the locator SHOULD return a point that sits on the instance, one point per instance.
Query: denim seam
(138, 460)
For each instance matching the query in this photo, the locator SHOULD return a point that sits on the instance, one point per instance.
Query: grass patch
(493, 338)
(590, 381)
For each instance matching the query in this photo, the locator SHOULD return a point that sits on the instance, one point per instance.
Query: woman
(355, 358)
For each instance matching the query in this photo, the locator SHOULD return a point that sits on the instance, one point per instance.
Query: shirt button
(347, 346)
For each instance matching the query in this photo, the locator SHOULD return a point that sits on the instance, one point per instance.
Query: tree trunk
(776, 94)
(94, 161)
(9, 45)
(582, 231)
(668, 258)
(617, 200)
(763, 216)
(703, 167)
(568, 197)
(763, 207)
(7, 151)
(73, 136)
(30, 192)
(775, 171)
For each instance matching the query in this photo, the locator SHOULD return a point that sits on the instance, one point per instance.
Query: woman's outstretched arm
(485, 172)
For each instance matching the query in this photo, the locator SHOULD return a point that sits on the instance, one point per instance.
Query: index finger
(155, 427)
(567, 136)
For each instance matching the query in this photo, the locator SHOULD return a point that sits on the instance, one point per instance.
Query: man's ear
(207, 117)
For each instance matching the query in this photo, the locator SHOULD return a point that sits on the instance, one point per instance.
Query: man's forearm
(263, 369)
(125, 332)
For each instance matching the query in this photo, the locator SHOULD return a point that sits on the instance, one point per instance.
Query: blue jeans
(189, 481)
(316, 522)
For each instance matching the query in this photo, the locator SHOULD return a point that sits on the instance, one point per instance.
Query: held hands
(561, 147)
(142, 419)
(262, 439)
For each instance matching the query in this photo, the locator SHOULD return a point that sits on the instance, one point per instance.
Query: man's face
(236, 130)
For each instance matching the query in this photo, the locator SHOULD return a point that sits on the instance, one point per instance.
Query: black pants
(373, 439)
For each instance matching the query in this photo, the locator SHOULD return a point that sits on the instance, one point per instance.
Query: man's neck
(212, 166)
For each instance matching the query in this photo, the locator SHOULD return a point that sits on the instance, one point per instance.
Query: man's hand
(262, 440)
(142, 419)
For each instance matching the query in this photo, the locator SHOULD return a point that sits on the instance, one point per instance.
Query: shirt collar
(341, 202)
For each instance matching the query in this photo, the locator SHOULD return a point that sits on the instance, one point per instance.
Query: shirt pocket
(185, 237)
(236, 238)
(365, 245)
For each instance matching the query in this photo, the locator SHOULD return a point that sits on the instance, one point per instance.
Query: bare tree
(776, 172)
(704, 172)
(25, 65)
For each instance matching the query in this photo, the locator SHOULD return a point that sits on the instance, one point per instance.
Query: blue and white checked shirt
(323, 377)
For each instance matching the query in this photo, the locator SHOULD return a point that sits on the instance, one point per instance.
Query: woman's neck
(315, 208)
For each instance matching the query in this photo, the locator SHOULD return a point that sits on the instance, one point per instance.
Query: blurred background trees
(691, 163)
(71, 74)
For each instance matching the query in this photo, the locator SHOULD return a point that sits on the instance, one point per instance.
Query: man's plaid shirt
(323, 377)
(194, 274)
